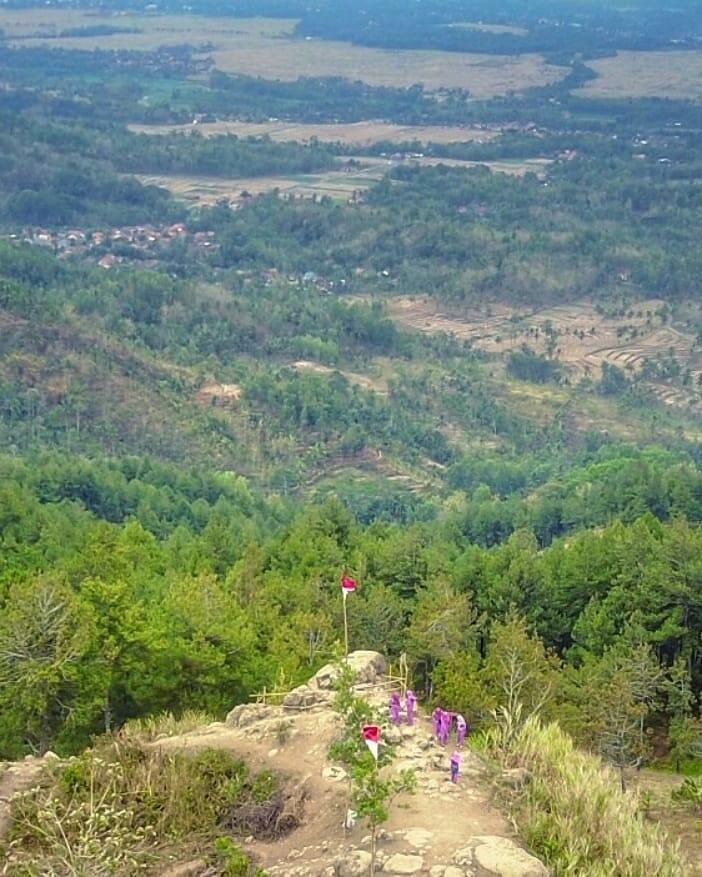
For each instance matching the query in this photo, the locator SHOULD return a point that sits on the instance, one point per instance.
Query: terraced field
(579, 335)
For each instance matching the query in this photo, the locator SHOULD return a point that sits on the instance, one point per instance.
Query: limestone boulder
(367, 667)
(401, 863)
(247, 714)
(502, 857)
(304, 697)
(353, 864)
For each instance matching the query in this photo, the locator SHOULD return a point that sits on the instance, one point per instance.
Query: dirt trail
(442, 830)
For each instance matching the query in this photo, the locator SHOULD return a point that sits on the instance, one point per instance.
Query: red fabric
(372, 733)
(348, 584)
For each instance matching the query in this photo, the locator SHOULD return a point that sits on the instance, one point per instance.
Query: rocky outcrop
(402, 863)
(367, 667)
(247, 714)
(501, 857)
(353, 864)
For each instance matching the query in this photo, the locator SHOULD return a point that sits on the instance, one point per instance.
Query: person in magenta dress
(461, 730)
(410, 705)
(395, 708)
(455, 765)
(436, 721)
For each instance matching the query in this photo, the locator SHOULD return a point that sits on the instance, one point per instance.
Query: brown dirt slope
(442, 830)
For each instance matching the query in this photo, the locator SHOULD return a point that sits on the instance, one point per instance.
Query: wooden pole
(346, 628)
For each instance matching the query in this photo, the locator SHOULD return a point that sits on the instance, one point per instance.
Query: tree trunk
(107, 715)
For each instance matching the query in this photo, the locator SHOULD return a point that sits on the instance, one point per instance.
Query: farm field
(366, 382)
(266, 47)
(578, 335)
(210, 190)
(337, 184)
(646, 74)
(489, 28)
(354, 134)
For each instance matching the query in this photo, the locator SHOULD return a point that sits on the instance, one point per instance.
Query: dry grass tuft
(574, 816)
(123, 808)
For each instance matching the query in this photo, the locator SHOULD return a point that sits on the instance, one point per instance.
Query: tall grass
(573, 814)
(165, 725)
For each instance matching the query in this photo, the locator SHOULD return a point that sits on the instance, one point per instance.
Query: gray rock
(502, 856)
(334, 773)
(304, 697)
(418, 837)
(367, 666)
(353, 864)
(401, 863)
(464, 857)
(393, 734)
(247, 714)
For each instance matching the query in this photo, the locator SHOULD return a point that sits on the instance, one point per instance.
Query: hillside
(294, 294)
(440, 829)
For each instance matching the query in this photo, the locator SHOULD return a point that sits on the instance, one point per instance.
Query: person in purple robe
(410, 705)
(455, 765)
(461, 730)
(436, 721)
(444, 727)
(395, 708)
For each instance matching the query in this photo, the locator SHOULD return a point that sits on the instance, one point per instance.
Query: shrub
(233, 861)
(690, 792)
(574, 816)
(120, 809)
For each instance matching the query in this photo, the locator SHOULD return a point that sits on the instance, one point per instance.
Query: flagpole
(346, 628)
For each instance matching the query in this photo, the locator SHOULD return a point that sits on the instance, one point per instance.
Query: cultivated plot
(363, 133)
(268, 48)
(346, 184)
(578, 335)
(646, 74)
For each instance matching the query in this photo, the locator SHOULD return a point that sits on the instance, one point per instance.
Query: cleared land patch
(346, 184)
(647, 74)
(354, 134)
(375, 385)
(579, 335)
(489, 28)
(210, 190)
(267, 47)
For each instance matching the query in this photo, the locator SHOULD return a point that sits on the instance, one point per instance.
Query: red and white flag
(348, 585)
(371, 734)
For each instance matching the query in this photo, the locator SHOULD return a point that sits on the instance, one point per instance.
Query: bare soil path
(441, 829)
